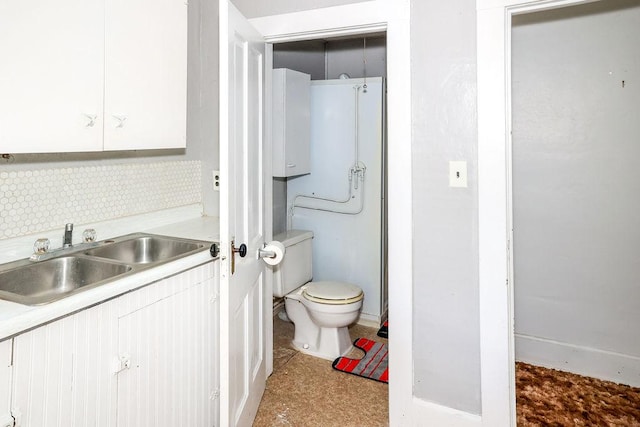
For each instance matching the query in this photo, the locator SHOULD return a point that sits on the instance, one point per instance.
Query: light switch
(458, 174)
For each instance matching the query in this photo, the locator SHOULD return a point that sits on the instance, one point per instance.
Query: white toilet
(320, 311)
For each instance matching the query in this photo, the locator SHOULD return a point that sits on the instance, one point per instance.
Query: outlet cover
(458, 174)
(216, 180)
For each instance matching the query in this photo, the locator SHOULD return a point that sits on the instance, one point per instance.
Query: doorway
(347, 150)
(362, 18)
(574, 225)
(495, 206)
(341, 197)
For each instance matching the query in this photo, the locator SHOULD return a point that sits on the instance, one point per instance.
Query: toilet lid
(332, 293)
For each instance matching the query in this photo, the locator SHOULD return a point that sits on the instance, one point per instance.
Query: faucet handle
(68, 227)
(89, 235)
(41, 246)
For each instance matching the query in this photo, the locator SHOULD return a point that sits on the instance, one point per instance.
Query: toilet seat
(333, 293)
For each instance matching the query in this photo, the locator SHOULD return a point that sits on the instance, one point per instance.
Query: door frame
(393, 17)
(495, 215)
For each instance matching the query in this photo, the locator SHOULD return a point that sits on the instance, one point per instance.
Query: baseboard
(431, 414)
(605, 365)
(369, 320)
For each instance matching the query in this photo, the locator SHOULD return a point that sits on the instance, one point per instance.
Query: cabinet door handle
(92, 120)
(121, 363)
(291, 165)
(120, 119)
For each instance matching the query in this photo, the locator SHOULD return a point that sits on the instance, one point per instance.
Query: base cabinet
(6, 419)
(147, 358)
(170, 378)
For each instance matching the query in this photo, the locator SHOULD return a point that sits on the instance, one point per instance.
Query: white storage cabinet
(92, 75)
(291, 129)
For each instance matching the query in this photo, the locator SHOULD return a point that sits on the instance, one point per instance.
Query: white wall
(325, 60)
(279, 205)
(576, 185)
(304, 56)
(255, 8)
(347, 56)
(445, 236)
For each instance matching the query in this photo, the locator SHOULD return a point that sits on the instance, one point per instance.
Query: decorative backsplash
(45, 199)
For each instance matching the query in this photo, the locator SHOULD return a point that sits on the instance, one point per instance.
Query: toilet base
(330, 343)
(324, 342)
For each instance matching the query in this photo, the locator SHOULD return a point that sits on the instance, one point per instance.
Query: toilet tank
(295, 269)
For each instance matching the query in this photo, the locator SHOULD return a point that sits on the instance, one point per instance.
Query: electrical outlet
(458, 174)
(216, 180)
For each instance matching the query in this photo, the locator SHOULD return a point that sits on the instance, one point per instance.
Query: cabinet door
(145, 74)
(171, 354)
(291, 128)
(51, 78)
(5, 383)
(63, 372)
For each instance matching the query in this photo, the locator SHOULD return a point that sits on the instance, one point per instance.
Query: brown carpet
(546, 397)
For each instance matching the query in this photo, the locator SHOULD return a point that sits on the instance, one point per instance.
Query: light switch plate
(458, 174)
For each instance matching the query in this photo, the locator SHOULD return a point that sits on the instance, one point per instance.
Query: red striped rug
(374, 365)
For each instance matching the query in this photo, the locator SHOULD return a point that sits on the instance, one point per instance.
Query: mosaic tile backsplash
(37, 200)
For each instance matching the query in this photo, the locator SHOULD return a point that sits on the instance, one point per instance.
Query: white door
(242, 337)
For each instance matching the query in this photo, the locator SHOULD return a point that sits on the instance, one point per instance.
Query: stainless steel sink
(67, 271)
(46, 281)
(146, 249)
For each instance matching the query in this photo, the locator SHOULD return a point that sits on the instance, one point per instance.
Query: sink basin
(57, 274)
(146, 249)
(46, 281)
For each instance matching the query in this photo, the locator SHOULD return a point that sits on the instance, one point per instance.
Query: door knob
(214, 250)
(242, 250)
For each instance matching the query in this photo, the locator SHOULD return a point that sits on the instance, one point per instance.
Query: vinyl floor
(305, 391)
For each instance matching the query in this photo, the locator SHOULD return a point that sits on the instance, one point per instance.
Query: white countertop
(16, 318)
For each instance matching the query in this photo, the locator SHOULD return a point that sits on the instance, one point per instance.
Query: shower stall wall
(341, 200)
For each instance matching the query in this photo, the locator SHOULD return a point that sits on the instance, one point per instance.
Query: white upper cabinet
(291, 129)
(51, 76)
(92, 75)
(145, 74)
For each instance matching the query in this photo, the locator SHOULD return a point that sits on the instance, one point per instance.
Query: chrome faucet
(68, 236)
(41, 247)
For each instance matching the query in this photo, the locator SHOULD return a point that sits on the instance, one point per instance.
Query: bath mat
(384, 330)
(374, 365)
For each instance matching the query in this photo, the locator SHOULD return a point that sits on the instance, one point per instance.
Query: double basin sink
(85, 266)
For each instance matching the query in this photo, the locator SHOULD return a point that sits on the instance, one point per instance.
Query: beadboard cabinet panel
(140, 359)
(6, 419)
(51, 78)
(170, 380)
(63, 371)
